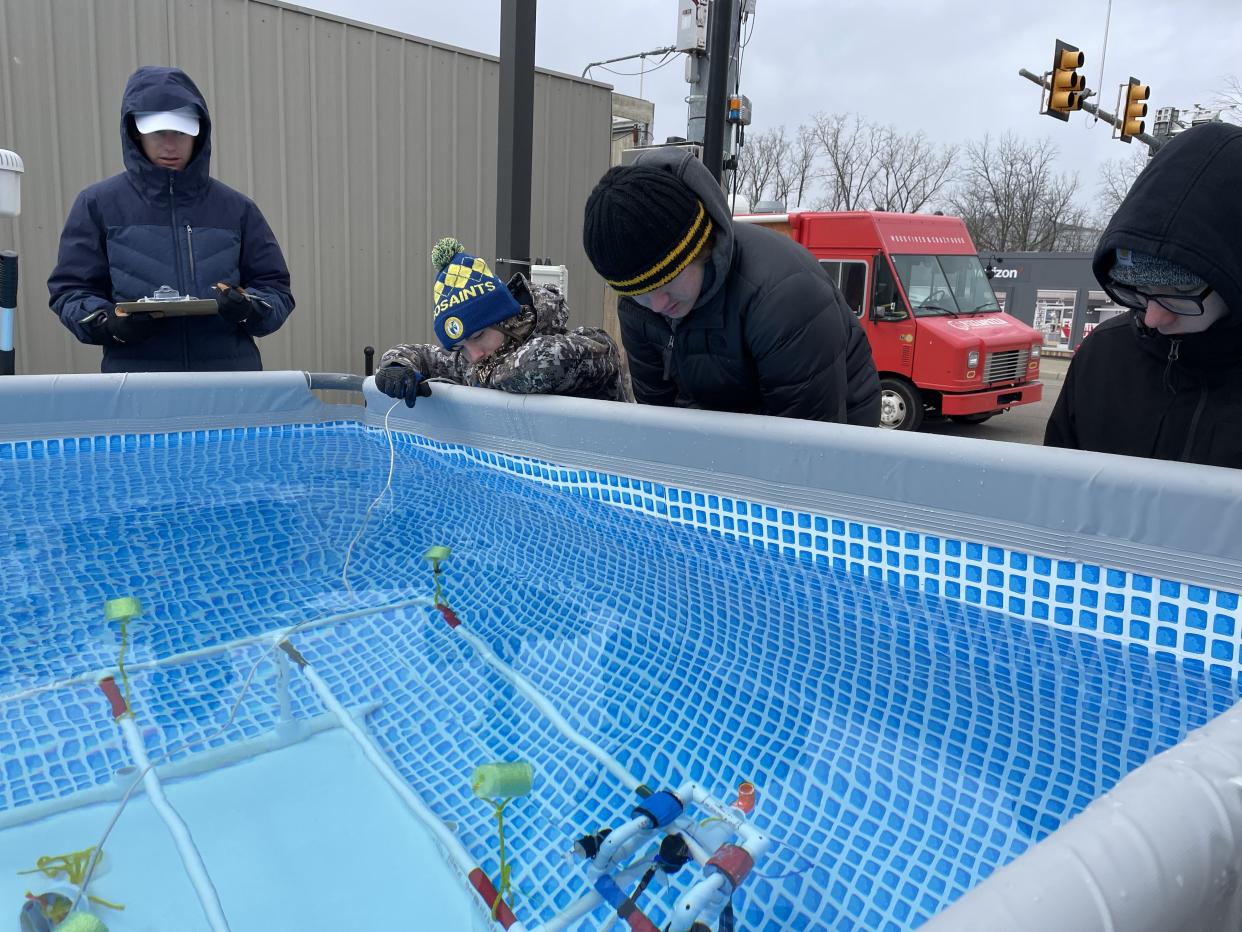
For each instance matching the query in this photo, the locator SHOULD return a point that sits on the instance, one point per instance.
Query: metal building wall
(361, 146)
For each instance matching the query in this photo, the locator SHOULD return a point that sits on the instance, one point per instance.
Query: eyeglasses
(1187, 305)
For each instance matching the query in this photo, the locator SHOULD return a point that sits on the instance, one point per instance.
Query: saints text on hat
(466, 286)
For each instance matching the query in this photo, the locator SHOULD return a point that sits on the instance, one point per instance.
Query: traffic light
(1066, 84)
(1133, 110)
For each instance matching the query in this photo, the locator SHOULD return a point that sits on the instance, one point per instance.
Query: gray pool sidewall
(1170, 520)
(36, 407)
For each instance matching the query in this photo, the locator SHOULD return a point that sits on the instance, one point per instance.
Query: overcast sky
(946, 67)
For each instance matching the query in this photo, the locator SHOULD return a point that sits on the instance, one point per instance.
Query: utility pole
(515, 135)
(721, 48)
(707, 33)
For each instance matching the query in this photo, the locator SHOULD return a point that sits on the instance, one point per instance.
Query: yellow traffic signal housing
(1134, 109)
(1065, 83)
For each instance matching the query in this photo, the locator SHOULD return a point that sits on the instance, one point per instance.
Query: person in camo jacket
(512, 338)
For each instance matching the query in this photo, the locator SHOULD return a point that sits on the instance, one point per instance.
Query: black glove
(398, 381)
(232, 303)
(111, 329)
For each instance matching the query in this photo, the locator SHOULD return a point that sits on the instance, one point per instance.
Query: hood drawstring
(1175, 347)
(1175, 350)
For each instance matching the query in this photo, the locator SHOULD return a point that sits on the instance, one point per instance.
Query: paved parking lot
(1024, 424)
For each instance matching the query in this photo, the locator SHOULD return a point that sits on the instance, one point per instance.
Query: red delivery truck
(941, 342)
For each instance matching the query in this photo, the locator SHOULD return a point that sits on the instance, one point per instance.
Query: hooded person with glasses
(1165, 380)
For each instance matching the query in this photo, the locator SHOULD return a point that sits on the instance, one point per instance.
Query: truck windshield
(939, 285)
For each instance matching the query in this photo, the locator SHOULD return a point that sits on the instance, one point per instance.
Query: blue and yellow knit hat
(466, 297)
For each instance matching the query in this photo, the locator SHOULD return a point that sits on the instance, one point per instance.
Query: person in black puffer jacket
(717, 316)
(165, 221)
(1165, 380)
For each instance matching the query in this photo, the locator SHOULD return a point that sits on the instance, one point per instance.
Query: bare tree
(1116, 177)
(1230, 99)
(1078, 234)
(850, 146)
(911, 172)
(771, 166)
(758, 164)
(874, 167)
(797, 169)
(1011, 199)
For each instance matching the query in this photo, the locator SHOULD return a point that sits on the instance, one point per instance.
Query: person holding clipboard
(163, 266)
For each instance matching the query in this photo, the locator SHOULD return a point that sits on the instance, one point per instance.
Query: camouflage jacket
(539, 356)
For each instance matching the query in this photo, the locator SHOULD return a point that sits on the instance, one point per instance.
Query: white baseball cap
(181, 120)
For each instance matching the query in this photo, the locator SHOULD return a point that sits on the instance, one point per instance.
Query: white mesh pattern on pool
(914, 710)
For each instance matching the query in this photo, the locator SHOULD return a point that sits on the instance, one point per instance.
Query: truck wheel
(901, 407)
(977, 418)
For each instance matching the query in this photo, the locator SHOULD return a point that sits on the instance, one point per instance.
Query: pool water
(903, 745)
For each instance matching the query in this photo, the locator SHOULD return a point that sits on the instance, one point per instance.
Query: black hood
(153, 88)
(1184, 207)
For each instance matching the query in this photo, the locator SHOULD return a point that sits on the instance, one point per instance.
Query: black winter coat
(1135, 391)
(770, 334)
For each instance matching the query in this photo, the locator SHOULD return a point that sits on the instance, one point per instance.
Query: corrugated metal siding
(361, 146)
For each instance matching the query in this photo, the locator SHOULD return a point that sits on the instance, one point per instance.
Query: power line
(1108, 15)
(665, 51)
(666, 60)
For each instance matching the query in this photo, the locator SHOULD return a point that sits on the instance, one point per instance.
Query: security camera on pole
(11, 169)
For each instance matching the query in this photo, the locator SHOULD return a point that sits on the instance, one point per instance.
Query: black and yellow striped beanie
(642, 227)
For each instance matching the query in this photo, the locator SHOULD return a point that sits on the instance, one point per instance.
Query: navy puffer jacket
(150, 226)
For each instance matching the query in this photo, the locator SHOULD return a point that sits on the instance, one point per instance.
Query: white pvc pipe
(452, 846)
(628, 837)
(583, 905)
(687, 827)
(620, 843)
(283, 698)
(710, 892)
(190, 857)
(267, 637)
(695, 901)
(523, 686)
(754, 841)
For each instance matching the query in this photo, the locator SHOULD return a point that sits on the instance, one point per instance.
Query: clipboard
(191, 307)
